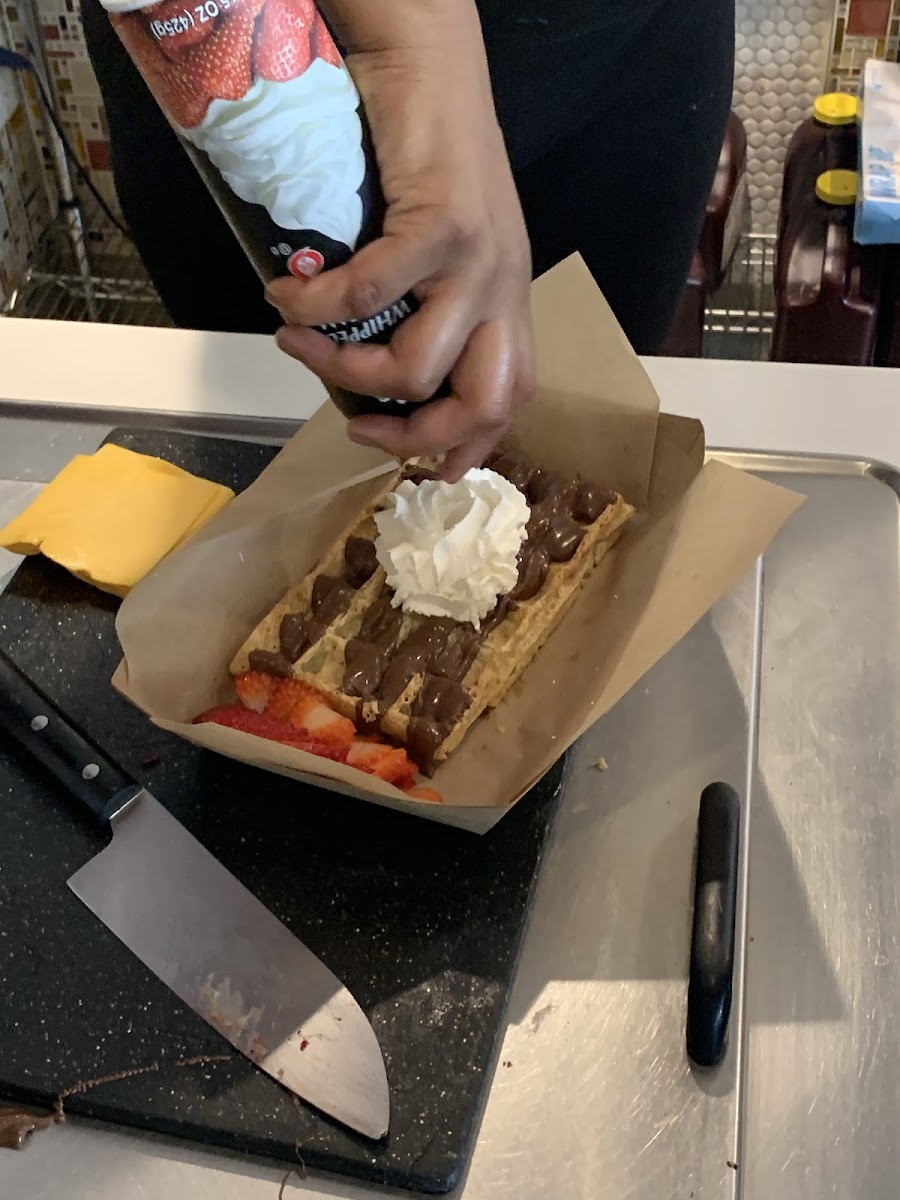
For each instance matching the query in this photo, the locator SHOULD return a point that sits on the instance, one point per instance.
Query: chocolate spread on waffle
(378, 667)
(332, 595)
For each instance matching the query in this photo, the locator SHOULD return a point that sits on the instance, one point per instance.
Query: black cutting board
(422, 922)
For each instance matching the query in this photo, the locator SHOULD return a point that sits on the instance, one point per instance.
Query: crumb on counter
(601, 765)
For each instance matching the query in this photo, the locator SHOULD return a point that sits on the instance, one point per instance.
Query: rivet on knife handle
(712, 941)
(35, 725)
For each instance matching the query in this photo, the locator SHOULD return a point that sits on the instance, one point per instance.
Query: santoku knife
(201, 932)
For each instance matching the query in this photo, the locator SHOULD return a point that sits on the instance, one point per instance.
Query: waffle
(423, 681)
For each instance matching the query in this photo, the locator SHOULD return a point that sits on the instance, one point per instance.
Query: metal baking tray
(790, 690)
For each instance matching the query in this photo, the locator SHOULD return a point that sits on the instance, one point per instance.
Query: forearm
(428, 54)
(366, 26)
(453, 235)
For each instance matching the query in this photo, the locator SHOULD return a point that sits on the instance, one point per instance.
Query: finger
(483, 384)
(431, 429)
(474, 451)
(470, 454)
(412, 366)
(374, 278)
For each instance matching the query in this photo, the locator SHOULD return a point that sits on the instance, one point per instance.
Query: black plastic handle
(712, 941)
(36, 726)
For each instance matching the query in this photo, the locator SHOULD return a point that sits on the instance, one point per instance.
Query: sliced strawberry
(320, 721)
(307, 709)
(386, 762)
(425, 793)
(235, 716)
(254, 689)
(287, 695)
(283, 49)
(323, 43)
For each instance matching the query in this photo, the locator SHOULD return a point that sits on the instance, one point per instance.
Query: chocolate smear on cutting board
(18, 1122)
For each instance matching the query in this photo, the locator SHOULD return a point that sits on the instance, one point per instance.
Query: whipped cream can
(259, 96)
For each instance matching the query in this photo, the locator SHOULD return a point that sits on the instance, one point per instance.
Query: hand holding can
(423, 301)
(258, 94)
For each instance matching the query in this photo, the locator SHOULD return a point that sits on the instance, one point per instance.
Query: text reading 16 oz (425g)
(189, 18)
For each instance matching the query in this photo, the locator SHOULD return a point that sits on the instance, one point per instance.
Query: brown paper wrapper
(699, 529)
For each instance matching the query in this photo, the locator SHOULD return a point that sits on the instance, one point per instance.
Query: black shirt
(555, 64)
(557, 20)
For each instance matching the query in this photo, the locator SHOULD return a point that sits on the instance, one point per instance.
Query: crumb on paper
(501, 729)
(601, 765)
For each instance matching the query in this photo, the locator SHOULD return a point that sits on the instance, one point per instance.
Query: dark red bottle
(887, 352)
(726, 206)
(826, 141)
(685, 338)
(719, 237)
(827, 298)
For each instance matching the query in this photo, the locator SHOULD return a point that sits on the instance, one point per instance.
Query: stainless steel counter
(790, 690)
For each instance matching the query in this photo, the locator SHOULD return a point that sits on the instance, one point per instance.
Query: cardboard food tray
(699, 529)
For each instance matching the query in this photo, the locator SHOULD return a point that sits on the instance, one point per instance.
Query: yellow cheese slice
(110, 517)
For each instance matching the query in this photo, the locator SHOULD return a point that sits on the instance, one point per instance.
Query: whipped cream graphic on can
(265, 107)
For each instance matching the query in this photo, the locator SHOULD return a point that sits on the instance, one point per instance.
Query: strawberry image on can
(259, 95)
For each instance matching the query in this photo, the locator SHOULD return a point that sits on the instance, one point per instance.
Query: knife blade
(201, 931)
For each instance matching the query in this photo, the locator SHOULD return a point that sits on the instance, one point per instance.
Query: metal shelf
(740, 315)
(115, 288)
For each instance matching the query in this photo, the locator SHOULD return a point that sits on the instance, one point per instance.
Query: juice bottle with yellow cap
(827, 297)
(826, 141)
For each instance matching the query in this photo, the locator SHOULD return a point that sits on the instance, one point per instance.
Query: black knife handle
(35, 725)
(712, 941)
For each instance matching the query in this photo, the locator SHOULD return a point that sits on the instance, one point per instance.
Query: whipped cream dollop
(295, 147)
(451, 549)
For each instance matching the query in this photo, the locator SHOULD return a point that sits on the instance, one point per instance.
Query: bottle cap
(837, 187)
(836, 108)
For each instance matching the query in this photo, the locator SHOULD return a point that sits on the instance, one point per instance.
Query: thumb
(377, 276)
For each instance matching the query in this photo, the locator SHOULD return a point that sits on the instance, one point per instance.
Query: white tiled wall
(782, 58)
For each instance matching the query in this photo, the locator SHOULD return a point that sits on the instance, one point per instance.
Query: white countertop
(760, 406)
(45, 366)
